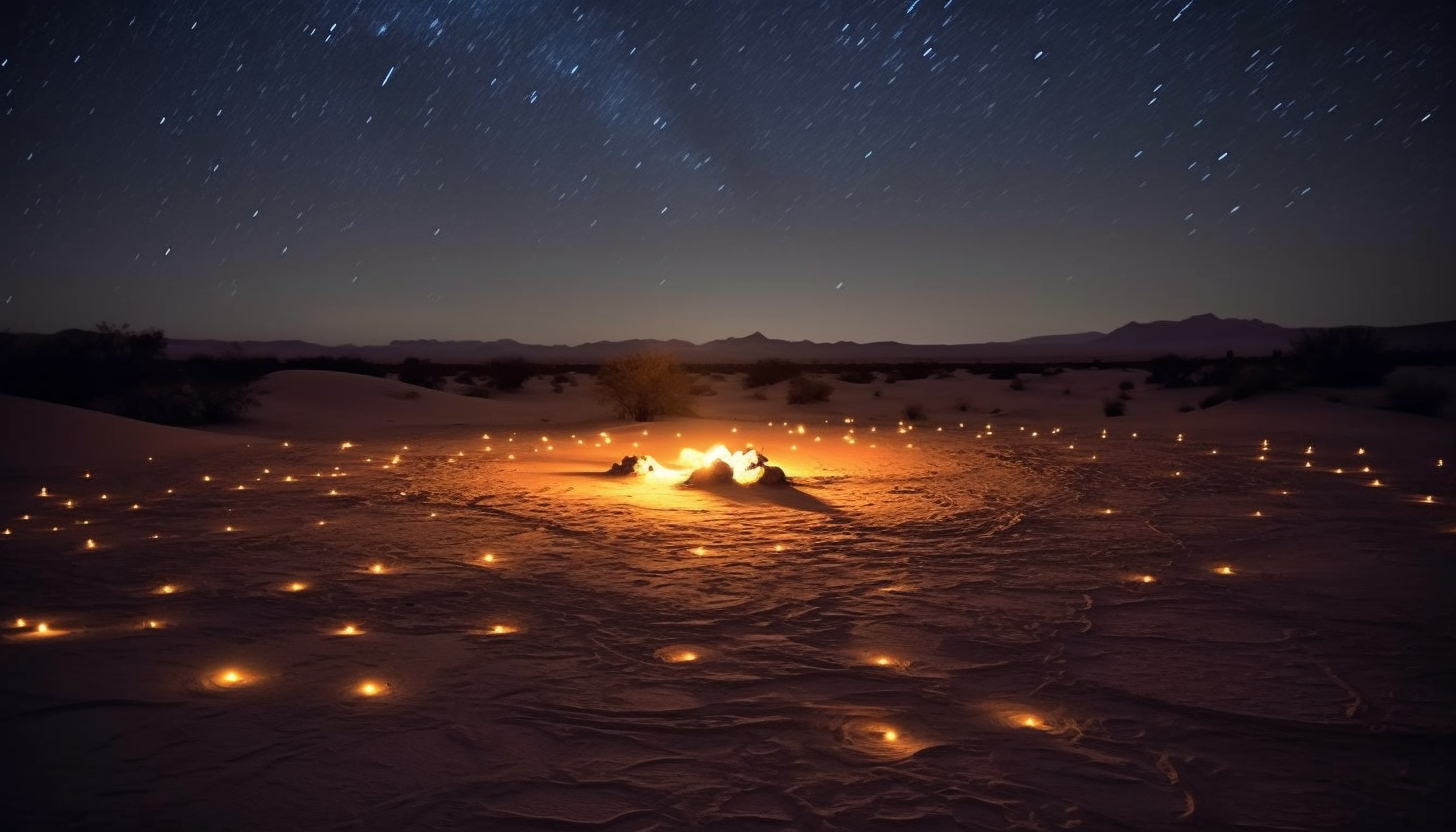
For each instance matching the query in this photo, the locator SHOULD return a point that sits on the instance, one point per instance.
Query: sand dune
(1062, 621)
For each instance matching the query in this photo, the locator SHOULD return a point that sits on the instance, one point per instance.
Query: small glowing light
(154, 625)
(42, 628)
(1360, 452)
(377, 568)
(1258, 514)
(1224, 570)
(882, 661)
(207, 478)
(687, 656)
(1031, 722)
(1147, 579)
(1376, 483)
(700, 551)
(371, 688)
(501, 630)
(350, 630)
(779, 547)
(90, 544)
(20, 622)
(1429, 499)
(43, 492)
(891, 736)
(1107, 511)
(488, 558)
(297, 586)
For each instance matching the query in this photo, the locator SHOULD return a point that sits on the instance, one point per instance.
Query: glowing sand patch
(679, 654)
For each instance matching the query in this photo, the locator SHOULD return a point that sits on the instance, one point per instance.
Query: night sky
(559, 172)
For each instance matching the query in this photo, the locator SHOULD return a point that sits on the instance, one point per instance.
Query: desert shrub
(857, 377)
(1066, 391)
(879, 392)
(945, 374)
(419, 372)
(1171, 371)
(962, 406)
(913, 371)
(465, 377)
(1253, 379)
(1002, 374)
(645, 386)
(808, 390)
(766, 371)
(1213, 399)
(1017, 384)
(1186, 408)
(1114, 407)
(1345, 356)
(1413, 396)
(1124, 395)
(508, 374)
(123, 371)
(1124, 385)
(914, 412)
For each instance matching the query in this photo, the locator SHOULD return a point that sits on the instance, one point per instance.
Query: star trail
(924, 171)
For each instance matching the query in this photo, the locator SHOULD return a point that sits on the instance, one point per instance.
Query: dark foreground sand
(944, 627)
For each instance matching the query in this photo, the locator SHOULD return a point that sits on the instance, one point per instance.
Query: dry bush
(808, 391)
(645, 386)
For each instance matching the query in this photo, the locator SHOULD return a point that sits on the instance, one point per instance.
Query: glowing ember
(297, 586)
(90, 544)
(167, 589)
(1146, 579)
(350, 630)
(372, 688)
(1224, 570)
(42, 628)
(231, 678)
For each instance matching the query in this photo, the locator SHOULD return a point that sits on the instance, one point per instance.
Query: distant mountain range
(1198, 336)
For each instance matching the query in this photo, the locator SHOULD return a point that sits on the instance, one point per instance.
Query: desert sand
(376, 607)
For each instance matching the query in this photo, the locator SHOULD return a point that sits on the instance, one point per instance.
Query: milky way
(931, 170)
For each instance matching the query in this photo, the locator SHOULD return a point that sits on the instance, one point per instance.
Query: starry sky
(928, 171)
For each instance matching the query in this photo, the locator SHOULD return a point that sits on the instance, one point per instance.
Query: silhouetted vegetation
(421, 373)
(123, 371)
(645, 386)
(857, 377)
(913, 371)
(808, 390)
(508, 374)
(1124, 385)
(1171, 371)
(768, 371)
(1346, 356)
(914, 412)
(1114, 407)
(1017, 384)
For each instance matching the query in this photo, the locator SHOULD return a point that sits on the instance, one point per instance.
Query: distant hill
(1198, 336)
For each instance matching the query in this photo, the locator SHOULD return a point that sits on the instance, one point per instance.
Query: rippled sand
(933, 629)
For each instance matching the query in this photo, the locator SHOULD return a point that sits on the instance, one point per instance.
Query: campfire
(716, 465)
